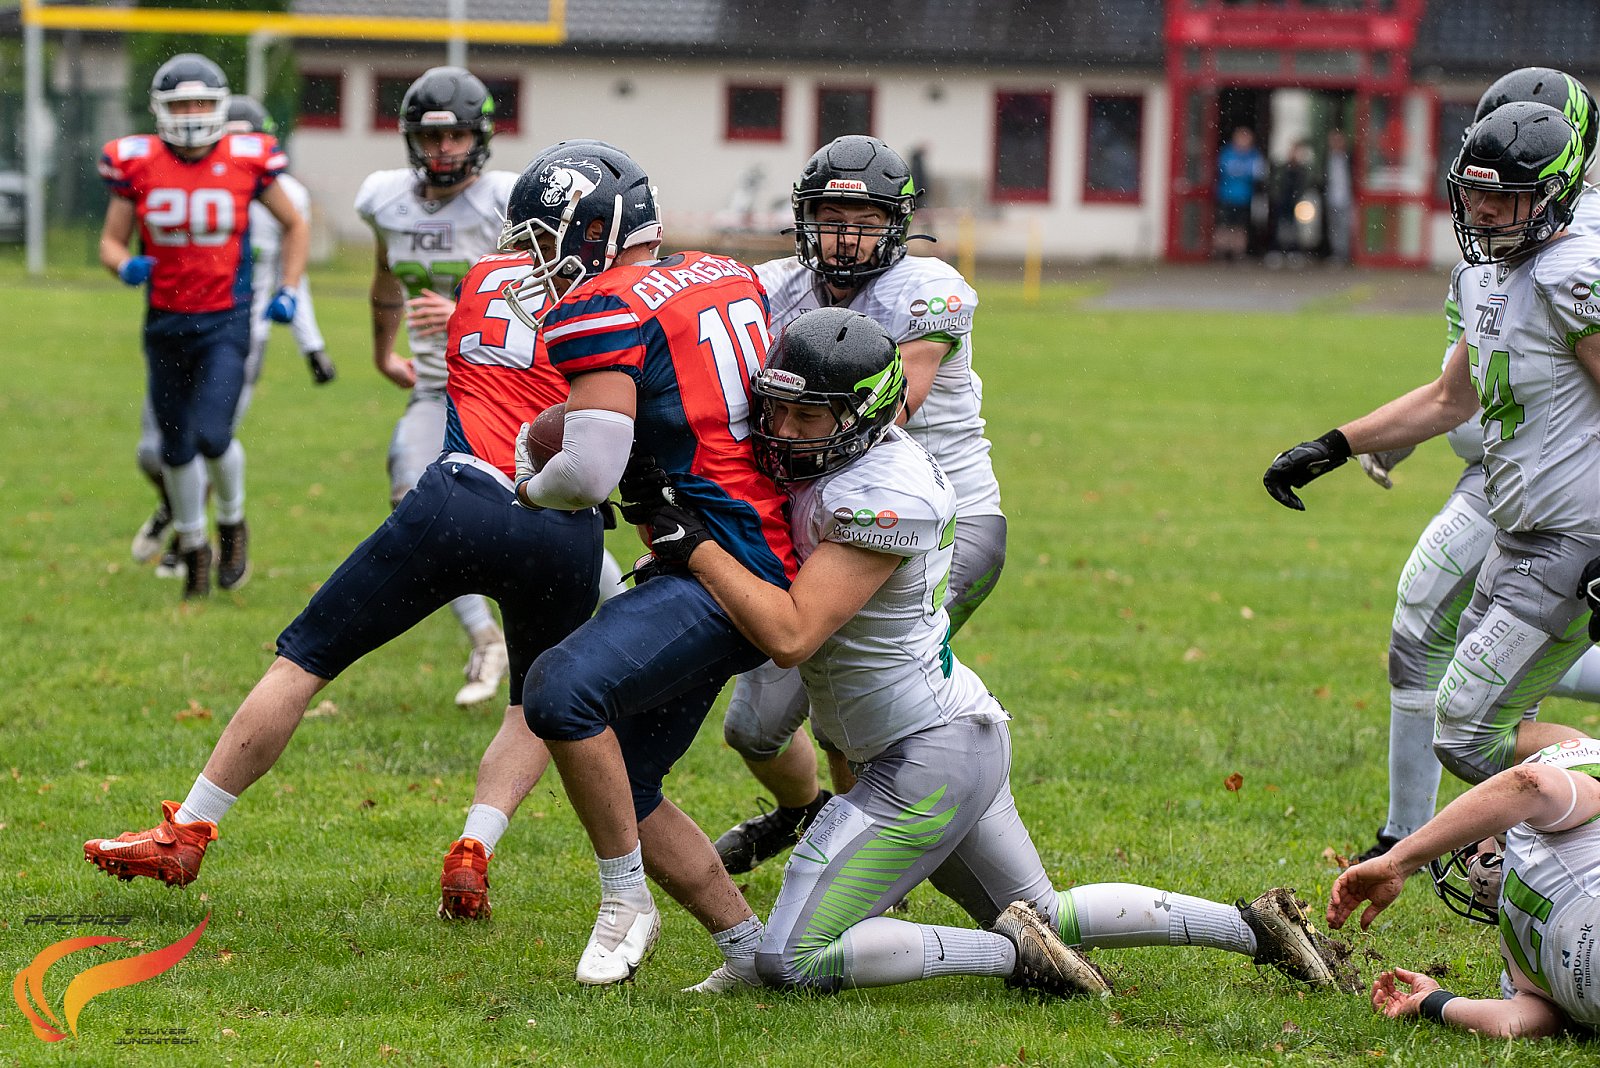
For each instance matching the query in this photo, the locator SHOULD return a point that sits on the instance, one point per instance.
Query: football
(544, 437)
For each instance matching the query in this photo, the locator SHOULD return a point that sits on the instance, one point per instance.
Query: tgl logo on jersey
(1490, 314)
(28, 988)
(433, 237)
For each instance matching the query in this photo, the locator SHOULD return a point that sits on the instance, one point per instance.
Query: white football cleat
(147, 543)
(486, 669)
(622, 938)
(730, 976)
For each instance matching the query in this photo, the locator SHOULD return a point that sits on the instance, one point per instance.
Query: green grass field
(1161, 625)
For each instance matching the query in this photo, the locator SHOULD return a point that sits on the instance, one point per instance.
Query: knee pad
(767, 706)
(780, 972)
(552, 700)
(1495, 677)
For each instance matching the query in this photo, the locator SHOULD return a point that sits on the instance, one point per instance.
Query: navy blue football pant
(195, 365)
(457, 532)
(649, 665)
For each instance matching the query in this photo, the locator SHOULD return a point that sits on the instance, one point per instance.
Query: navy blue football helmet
(576, 207)
(186, 77)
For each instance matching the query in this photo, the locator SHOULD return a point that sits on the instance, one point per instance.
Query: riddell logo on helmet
(848, 184)
(1472, 170)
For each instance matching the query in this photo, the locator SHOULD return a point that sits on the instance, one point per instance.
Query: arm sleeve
(595, 443)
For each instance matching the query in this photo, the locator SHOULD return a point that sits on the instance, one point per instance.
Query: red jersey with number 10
(499, 375)
(691, 330)
(194, 215)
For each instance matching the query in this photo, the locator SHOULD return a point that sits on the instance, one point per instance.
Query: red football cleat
(464, 886)
(171, 852)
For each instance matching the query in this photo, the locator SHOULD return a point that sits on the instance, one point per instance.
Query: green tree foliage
(147, 51)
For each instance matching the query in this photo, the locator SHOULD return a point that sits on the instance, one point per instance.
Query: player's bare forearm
(1424, 413)
(920, 360)
(388, 300)
(115, 234)
(763, 613)
(1523, 1016)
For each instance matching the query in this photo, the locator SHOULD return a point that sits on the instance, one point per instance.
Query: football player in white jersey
(245, 115)
(1437, 580)
(853, 206)
(1543, 894)
(1529, 355)
(432, 221)
(873, 519)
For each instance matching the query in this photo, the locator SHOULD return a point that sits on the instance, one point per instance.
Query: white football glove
(1377, 465)
(526, 468)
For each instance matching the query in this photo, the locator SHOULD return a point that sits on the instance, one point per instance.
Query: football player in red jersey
(188, 190)
(459, 531)
(660, 353)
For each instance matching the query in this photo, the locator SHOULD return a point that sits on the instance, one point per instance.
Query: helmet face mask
(833, 360)
(180, 81)
(1515, 182)
(446, 99)
(577, 207)
(852, 172)
(1468, 881)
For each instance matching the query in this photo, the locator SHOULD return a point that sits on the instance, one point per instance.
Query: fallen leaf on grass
(324, 708)
(1233, 782)
(1193, 655)
(1333, 856)
(1290, 1027)
(1322, 693)
(195, 711)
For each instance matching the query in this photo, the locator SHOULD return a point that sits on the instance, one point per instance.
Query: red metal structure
(1361, 48)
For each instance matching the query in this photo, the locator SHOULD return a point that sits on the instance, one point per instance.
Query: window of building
(1113, 148)
(321, 100)
(1022, 136)
(755, 113)
(389, 91)
(843, 111)
(1454, 117)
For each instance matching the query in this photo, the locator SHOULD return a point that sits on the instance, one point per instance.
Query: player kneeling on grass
(872, 519)
(1547, 903)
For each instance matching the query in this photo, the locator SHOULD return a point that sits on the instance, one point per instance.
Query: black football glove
(644, 488)
(1300, 465)
(675, 533)
(1589, 591)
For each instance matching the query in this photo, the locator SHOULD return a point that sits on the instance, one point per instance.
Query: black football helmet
(447, 98)
(1468, 881)
(1530, 151)
(837, 359)
(247, 116)
(566, 190)
(860, 169)
(189, 76)
(1545, 85)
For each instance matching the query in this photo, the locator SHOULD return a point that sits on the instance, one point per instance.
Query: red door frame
(1197, 31)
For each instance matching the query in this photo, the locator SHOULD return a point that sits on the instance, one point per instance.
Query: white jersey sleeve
(1465, 440)
(1550, 899)
(888, 672)
(1541, 407)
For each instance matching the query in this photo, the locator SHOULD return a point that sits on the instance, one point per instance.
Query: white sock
(1582, 680)
(1413, 769)
(961, 951)
(623, 877)
(186, 488)
(611, 582)
(739, 942)
(206, 801)
(1108, 915)
(486, 824)
(227, 475)
(476, 619)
